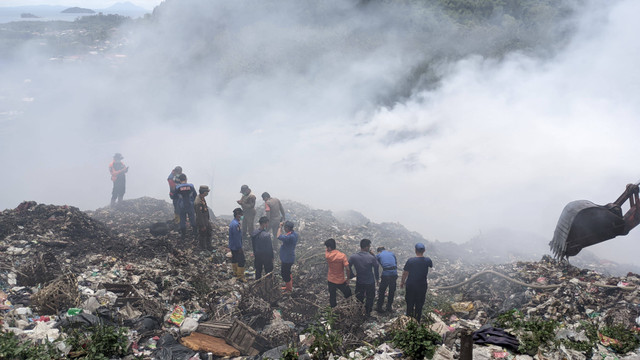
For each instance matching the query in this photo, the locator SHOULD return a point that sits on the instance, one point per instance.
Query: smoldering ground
(386, 108)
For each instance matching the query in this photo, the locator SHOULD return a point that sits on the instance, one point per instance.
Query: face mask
(242, 217)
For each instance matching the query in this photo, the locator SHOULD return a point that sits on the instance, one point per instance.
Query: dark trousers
(183, 217)
(415, 296)
(237, 257)
(119, 187)
(333, 288)
(368, 291)
(285, 271)
(390, 282)
(263, 261)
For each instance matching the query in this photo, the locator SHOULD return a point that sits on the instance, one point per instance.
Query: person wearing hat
(248, 204)
(414, 276)
(235, 245)
(118, 171)
(289, 239)
(186, 194)
(173, 180)
(202, 219)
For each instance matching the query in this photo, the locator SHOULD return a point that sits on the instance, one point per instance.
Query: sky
(330, 105)
(91, 4)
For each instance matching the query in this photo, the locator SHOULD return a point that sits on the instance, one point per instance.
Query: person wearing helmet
(248, 204)
(289, 239)
(118, 171)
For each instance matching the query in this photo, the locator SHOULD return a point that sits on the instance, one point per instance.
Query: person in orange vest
(118, 171)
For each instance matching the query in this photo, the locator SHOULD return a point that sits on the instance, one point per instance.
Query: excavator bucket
(583, 223)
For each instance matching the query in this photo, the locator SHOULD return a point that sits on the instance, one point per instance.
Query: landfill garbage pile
(64, 268)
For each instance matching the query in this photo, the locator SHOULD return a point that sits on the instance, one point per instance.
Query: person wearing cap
(275, 212)
(118, 171)
(414, 276)
(248, 204)
(173, 180)
(186, 194)
(235, 245)
(289, 239)
(338, 272)
(389, 276)
(366, 272)
(203, 221)
(262, 247)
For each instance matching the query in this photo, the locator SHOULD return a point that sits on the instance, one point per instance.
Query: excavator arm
(583, 223)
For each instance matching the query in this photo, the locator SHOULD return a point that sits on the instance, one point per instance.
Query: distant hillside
(78, 10)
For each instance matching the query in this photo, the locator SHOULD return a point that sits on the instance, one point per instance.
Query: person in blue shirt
(186, 194)
(366, 271)
(415, 277)
(389, 264)
(235, 245)
(289, 239)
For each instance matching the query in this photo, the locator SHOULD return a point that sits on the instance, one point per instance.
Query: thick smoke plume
(390, 109)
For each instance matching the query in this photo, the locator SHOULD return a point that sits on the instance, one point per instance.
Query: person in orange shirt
(338, 272)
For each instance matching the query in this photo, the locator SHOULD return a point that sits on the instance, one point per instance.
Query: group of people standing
(262, 247)
(363, 265)
(367, 274)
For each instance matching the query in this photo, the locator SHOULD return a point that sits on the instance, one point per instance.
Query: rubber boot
(234, 267)
(241, 274)
(288, 286)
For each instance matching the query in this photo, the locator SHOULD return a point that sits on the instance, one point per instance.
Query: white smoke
(326, 104)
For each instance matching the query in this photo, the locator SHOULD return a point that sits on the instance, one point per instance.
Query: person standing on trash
(415, 277)
(275, 212)
(338, 272)
(389, 276)
(248, 204)
(235, 245)
(203, 220)
(118, 171)
(173, 180)
(289, 239)
(366, 273)
(186, 194)
(262, 247)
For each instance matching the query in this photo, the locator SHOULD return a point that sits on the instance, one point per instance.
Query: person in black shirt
(415, 277)
(262, 248)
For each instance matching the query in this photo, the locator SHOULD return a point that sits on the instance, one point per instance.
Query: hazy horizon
(330, 105)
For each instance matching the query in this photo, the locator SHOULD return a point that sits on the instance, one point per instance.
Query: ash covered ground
(57, 258)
